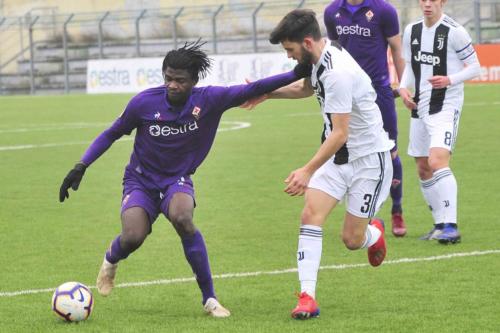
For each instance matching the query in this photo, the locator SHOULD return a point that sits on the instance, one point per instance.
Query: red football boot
(376, 252)
(306, 308)
(398, 225)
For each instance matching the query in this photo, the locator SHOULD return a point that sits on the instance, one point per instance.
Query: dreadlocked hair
(191, 58)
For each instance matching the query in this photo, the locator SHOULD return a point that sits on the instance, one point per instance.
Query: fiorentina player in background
(365, 28)
(175, 127)
(439, 58)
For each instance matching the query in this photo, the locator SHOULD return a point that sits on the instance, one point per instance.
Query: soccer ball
(72, 301)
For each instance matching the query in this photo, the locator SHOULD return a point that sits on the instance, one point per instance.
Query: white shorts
(437, 130)
(365, 182)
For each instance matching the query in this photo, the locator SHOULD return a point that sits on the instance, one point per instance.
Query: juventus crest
(440, 40)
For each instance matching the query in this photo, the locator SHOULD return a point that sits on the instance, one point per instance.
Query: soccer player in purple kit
(365, 28)
(175, 127)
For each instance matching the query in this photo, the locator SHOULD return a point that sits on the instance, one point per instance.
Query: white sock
(431, 197)
(309, 257)
(372, 234)
(446, 191)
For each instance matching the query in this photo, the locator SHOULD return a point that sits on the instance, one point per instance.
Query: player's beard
(306, 56)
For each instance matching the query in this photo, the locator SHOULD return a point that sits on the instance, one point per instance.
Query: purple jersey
(364, 34)
(171, 142)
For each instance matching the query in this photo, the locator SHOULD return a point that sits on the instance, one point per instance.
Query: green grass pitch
(249, 223)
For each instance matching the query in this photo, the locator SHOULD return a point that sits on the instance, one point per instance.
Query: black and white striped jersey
(341, 86)
(442, 49)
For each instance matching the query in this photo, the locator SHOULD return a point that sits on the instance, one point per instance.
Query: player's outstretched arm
(299, 89)
(124, 125)
(253, 102)
(240, 94)
(93, 152)
(72, 180)
(295, 90)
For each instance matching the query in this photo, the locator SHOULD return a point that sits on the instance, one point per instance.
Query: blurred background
(46, 44)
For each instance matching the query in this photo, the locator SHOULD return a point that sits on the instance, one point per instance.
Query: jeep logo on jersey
(157, 130)
(353, 30)
(427, 58)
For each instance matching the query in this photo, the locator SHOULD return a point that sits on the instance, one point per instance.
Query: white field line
(233, 126)
(264, 273)
(50, 145)
(50, 127)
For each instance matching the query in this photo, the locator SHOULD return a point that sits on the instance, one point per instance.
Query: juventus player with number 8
(439, 58)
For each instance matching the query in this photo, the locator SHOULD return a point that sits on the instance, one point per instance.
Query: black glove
(303, 70)
(72, 180)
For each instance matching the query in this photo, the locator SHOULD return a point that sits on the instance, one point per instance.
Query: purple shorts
(152, 200)
(387, 106)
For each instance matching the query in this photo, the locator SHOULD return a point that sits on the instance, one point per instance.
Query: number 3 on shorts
(368, 201)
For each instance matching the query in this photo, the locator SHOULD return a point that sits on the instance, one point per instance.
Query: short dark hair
(295, 26)
(191, 58)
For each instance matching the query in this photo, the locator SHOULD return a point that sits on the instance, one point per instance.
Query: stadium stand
(46, 44)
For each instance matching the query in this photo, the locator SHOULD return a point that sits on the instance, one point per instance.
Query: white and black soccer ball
(72, 301)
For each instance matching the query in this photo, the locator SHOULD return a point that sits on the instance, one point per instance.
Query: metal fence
(44, 42)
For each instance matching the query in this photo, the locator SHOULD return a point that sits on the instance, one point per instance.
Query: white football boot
(106, 277)
(215, 309)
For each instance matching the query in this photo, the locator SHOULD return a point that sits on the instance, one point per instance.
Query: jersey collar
(366, 3)
(325, 49)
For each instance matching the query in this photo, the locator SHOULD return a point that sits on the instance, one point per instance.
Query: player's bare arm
(298, 89)
(397, 57)
(407, 98)
(407, 81)
(298, 179)
(295, 90)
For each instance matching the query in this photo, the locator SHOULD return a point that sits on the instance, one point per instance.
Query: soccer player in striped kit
(365, 28)
(353, 162)
(439, 58)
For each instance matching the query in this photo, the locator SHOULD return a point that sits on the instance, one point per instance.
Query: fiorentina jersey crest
(369, 15)
(196, 112)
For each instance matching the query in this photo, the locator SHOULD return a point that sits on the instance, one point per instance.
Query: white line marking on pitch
(233, 126)
(50, 127)
(260, 273)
